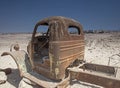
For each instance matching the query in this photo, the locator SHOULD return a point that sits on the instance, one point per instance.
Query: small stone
(3, 77)
(8, 71)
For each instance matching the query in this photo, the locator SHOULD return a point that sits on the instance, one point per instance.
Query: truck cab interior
(41, 44)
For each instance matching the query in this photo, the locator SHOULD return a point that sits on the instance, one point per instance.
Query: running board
(45, 82)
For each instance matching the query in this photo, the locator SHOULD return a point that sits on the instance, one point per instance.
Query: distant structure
(96, 31)
(101, 31)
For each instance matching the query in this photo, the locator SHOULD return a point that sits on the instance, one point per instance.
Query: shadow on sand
(14, 78)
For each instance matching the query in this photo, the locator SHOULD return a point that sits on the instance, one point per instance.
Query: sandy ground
(99, 49)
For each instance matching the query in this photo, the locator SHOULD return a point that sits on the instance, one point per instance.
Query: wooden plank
(94, 78)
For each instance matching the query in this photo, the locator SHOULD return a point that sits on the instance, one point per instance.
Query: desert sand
(99, 48)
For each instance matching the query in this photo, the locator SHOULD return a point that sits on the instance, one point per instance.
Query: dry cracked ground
(100, 48)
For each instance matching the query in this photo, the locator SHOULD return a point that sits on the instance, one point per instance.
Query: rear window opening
(73, 30)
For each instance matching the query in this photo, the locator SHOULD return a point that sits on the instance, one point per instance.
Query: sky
(22, 15)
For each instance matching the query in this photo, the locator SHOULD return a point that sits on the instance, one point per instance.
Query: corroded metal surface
(63, 48)
(96, 74)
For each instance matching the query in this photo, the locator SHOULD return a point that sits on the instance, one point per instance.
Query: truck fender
(21, 59)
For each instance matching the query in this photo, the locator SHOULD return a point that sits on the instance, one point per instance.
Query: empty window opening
(73, 30)
(41, 44)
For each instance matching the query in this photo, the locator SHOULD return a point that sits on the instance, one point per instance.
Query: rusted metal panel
(67, 52)
(99, 68)
(96, 76)
(106, 82)
(64, 48)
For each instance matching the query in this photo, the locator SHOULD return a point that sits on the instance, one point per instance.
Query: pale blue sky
(22, 15)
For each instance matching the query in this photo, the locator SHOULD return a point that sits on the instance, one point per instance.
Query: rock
(3, 77)
(7, 70)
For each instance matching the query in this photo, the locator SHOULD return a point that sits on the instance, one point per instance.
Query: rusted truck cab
(61, 46)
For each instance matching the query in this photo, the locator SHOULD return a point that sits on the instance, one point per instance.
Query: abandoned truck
(53, 54)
